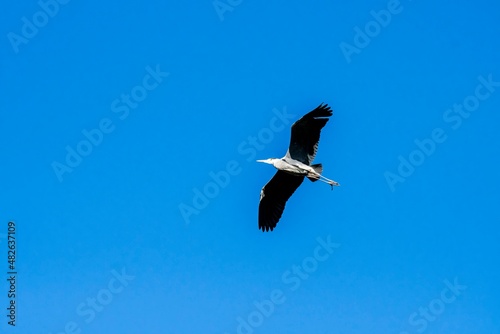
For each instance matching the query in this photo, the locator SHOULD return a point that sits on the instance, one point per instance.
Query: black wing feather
(305, 134)
(274, 196)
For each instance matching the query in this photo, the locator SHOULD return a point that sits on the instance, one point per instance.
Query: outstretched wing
(305, 134)
(273, 198)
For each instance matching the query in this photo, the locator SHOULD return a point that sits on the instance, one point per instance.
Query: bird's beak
(261, 160)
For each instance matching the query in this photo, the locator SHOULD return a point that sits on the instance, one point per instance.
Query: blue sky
(117, 116)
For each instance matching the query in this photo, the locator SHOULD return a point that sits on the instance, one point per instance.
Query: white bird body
(291, 166)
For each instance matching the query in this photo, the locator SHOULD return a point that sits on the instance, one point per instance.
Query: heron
(294, 167)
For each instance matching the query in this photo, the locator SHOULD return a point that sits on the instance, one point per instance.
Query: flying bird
(294, 167)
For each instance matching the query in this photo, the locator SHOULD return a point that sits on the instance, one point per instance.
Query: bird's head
(267, 161)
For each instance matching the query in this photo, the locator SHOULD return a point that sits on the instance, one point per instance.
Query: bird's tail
(318, 168)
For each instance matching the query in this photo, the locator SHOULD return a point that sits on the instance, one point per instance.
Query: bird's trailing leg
(327, 180)
(330, 182)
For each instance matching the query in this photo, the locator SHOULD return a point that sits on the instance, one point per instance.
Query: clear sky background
(120, 240)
